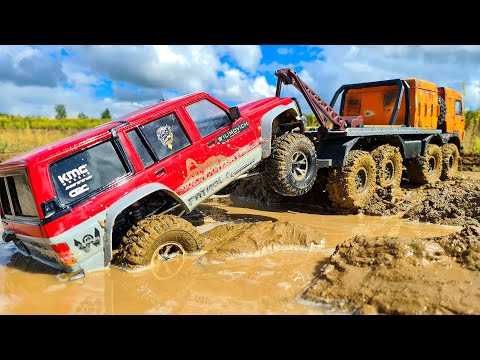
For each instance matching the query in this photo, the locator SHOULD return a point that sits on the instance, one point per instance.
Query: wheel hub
(431, 165)
(389, 171)
(360, 180)
(168, 261)
(299, 165)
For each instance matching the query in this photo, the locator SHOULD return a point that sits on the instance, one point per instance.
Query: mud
(268, 284)
(391, 275)
(233, 241)
(455, 202)
(469, 162)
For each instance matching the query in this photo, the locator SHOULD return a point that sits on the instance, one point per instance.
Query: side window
(165, 136)
(458, 107)
(141, 148)
(207, 117)
(4, 198)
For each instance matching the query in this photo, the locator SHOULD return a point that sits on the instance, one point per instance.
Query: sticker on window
(165, 135)
(74, 179)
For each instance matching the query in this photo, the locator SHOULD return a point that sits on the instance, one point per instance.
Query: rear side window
(20, 195)
(208, 117)
(141, 148)
(81, 174)
(165, 136)
(4, 198)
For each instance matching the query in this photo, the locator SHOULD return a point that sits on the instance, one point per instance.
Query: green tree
(106, 114)
(82, 116)
(60, 111)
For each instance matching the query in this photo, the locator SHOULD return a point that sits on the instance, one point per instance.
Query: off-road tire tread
(277, 165)
(381, 155)
(339, 186)
(447, 151)
(138, 245)
(417, 168)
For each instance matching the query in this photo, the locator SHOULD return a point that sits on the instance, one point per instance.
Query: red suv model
(110, 190)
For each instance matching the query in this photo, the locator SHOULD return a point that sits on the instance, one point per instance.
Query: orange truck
(430, 107)
(384, 132)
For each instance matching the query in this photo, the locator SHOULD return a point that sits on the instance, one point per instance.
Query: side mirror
(234, 113)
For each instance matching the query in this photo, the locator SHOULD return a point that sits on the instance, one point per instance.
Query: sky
(124, 78)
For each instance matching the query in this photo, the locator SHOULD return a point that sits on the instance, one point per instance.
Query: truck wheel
(389, 165)
(450, 158)
(156, 236)
(443, 111)
(426, 169)
(292, 166)
(353, 185)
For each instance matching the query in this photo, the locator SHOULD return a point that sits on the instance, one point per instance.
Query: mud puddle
(267, 284)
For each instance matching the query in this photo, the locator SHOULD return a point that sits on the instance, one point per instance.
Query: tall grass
(21, 140)
(17, 122)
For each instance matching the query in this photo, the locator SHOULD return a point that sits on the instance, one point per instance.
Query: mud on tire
(292, 167)
(425, 169)
(389, 163)
(352, 186)
(450, 160)
(139, 247)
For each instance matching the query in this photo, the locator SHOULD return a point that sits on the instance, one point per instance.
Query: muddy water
(268, 284)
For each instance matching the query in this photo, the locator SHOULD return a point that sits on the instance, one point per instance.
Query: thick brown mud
(267, 284)
(233, 241)
(455, 202)
(469, 162)
(391, 275)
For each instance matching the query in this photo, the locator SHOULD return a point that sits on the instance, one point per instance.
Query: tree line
(61, 113)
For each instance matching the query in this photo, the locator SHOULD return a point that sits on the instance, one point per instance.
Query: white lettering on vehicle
(74, 174)
(78, 191)
(72, 178)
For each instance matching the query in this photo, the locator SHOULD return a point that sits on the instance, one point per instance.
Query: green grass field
(20, 134)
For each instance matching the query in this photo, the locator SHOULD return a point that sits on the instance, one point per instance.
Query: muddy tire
(352, 186)
(389, 163)
(292, 166)
(450, 160)
(426, 169)
(140, 246)
(443, 111)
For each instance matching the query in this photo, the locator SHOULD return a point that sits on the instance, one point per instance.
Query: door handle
(211, 143)
(159, 172)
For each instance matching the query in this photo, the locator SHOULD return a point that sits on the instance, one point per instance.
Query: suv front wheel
(292, 166)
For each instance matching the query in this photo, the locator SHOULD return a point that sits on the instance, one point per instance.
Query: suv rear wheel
(158, 236)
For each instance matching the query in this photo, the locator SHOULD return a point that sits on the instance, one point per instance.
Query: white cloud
(284, 51)
(37, 100)
(246, 56)
(140, 74)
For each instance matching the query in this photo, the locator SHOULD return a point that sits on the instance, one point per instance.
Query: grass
(14, 141)
(17, 122)
(18, 134)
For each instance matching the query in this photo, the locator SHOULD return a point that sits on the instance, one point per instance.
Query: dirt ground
(390, 275)
(469, 162)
